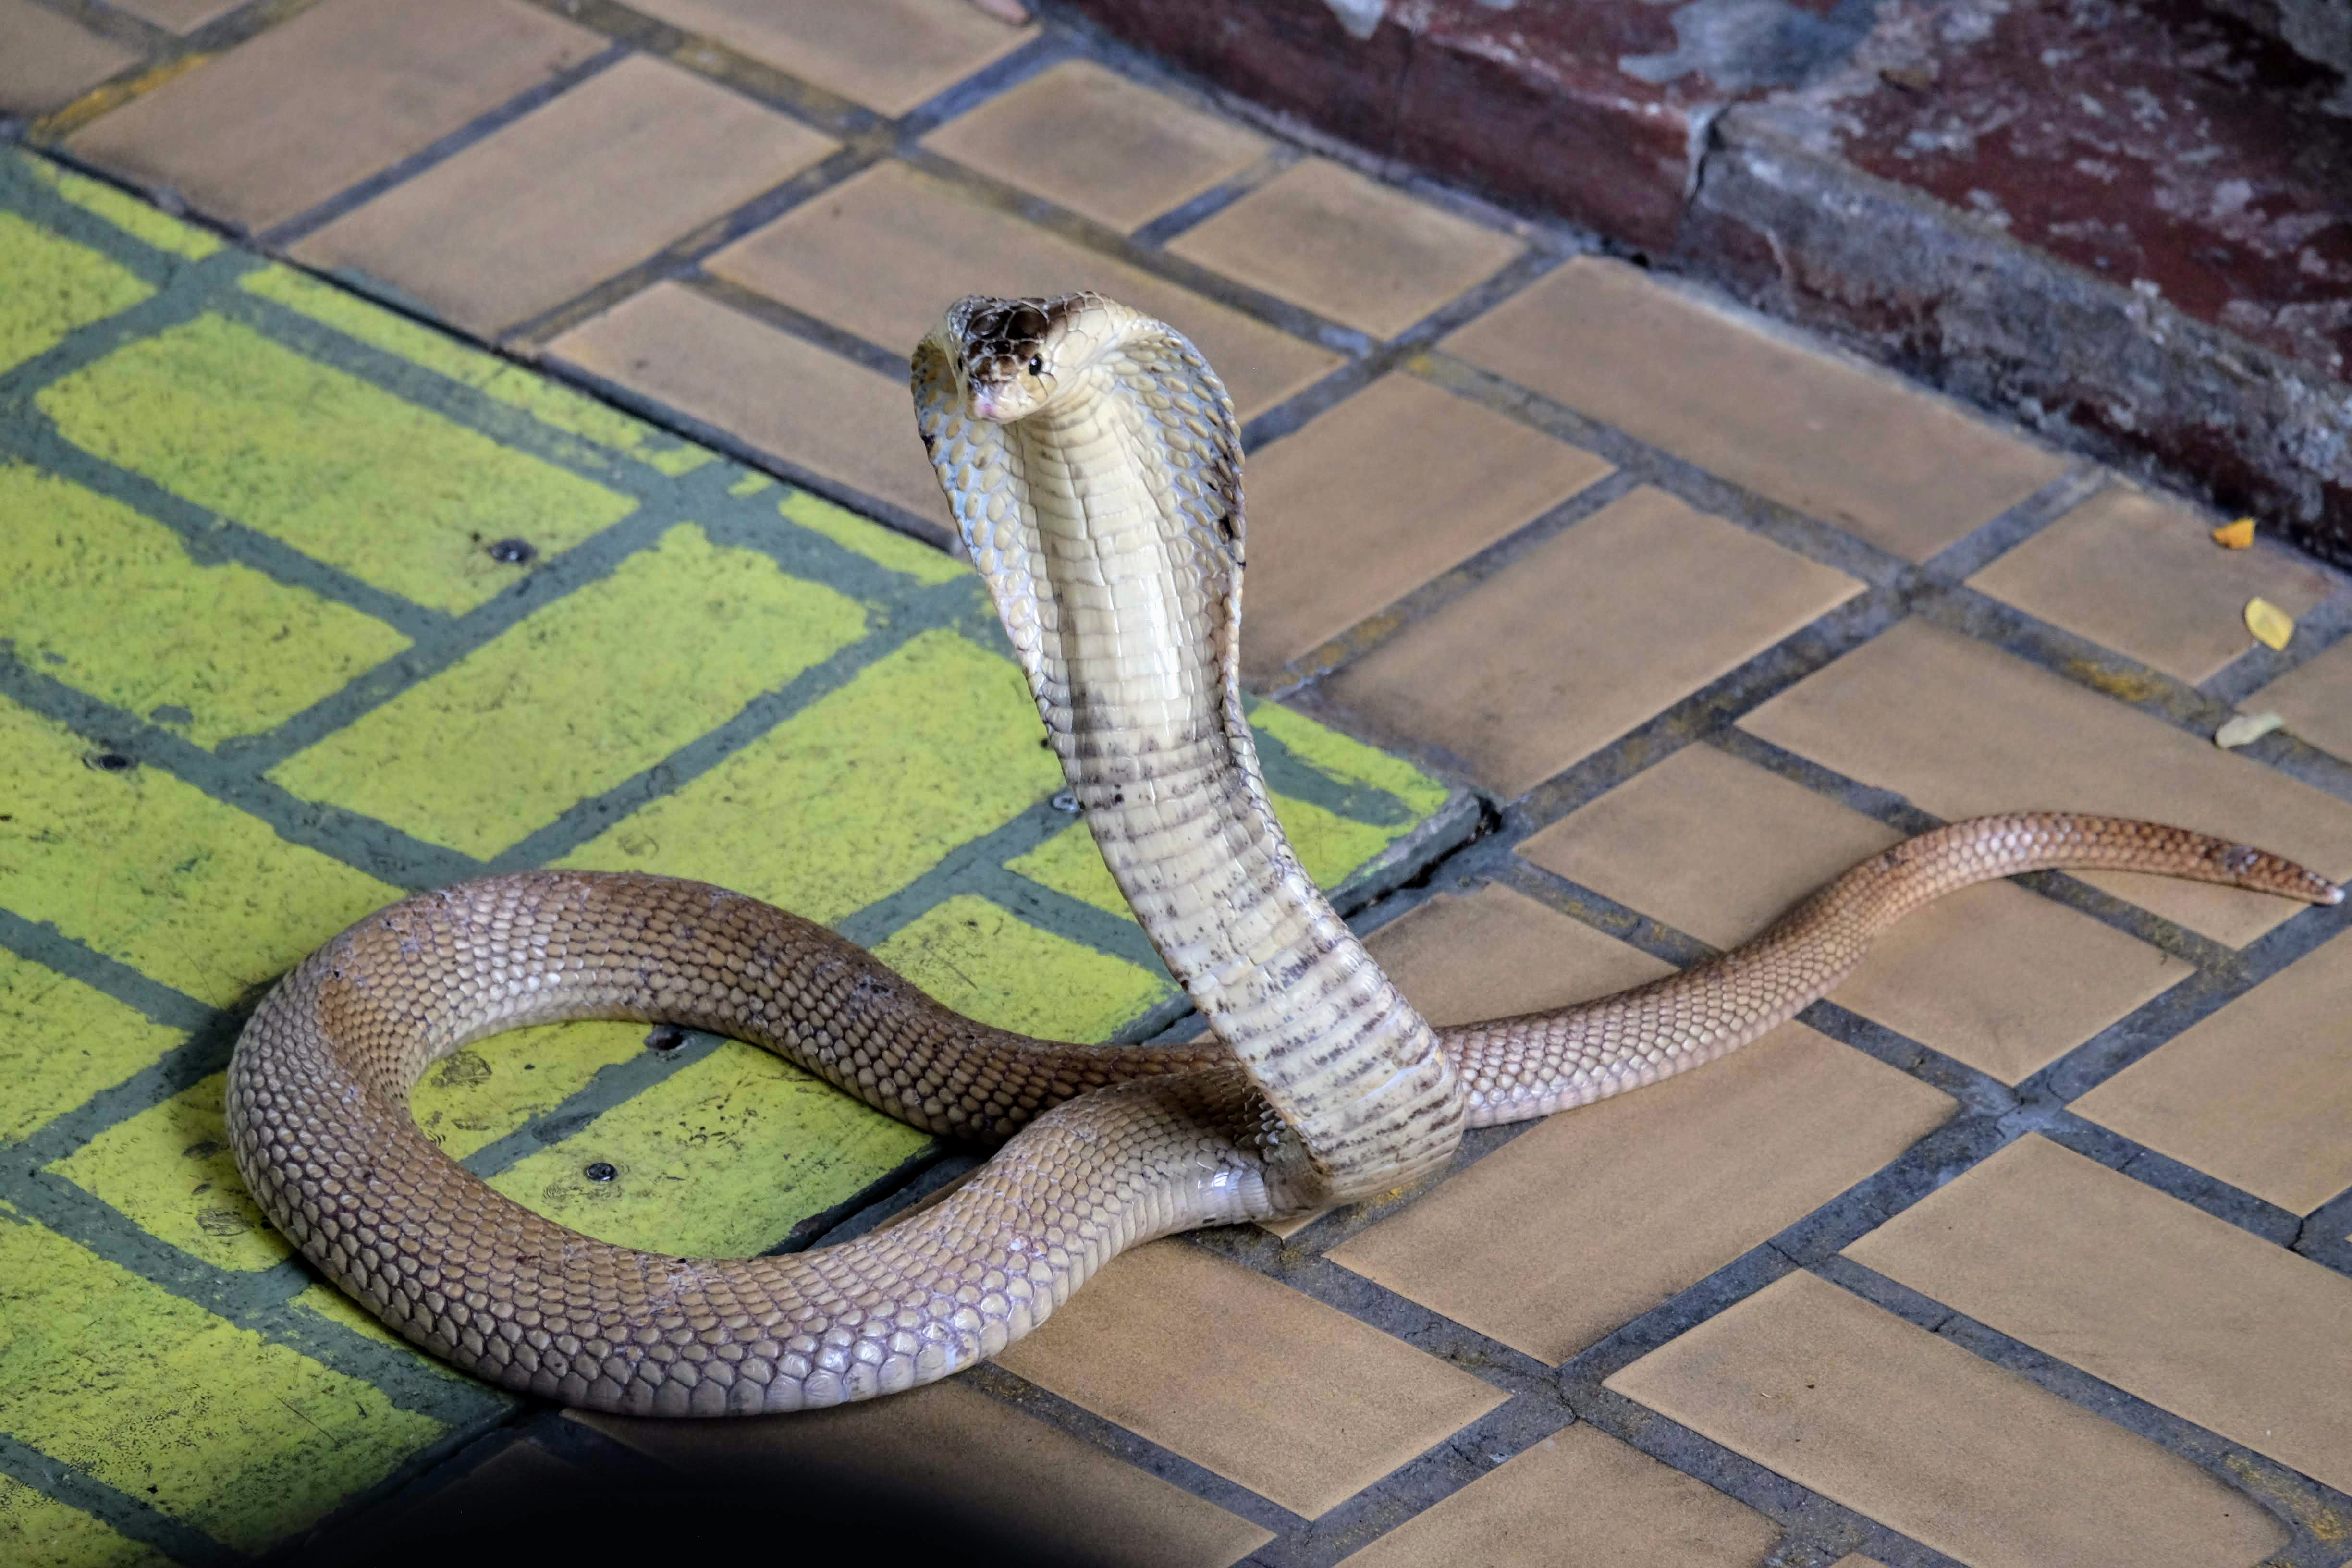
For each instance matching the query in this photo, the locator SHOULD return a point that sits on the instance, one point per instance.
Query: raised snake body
(1092, 461)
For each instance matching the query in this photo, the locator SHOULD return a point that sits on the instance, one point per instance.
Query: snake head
(1009, 356)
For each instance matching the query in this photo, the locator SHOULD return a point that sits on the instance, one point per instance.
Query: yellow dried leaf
(2271, 626)
(2236, 535)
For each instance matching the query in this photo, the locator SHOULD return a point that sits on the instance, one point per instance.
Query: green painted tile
(989, 964)
(110, 602)
(549, 402)
(61, 1042)
(858, 793)
(54, 286)
(394, 494)
(720, 1159)
(153, 1395)
(1071, 863)
(884, 546)
(37, 1531)
(473, 1097)
(127, 212)
(153, 871)
(1332, 850)
(599, 686)
(168, 1170)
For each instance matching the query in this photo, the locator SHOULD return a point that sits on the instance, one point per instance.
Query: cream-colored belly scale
(1100, 495)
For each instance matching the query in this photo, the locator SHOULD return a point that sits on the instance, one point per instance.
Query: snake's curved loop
(1093, 462)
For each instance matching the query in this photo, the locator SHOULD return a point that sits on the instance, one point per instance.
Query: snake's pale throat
(1093, 462)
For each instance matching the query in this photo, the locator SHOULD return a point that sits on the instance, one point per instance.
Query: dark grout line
(1074, 1420)
(1434, 594)
(726, 442)
(2312, 1510)
(809, 329)
(1794, 530)
(2317, 630)
(1190, 215)
(534, 334)
(360, 842)
(1971, 553)
(44, 944)
(2162, 1018)
(129, 1516)
(301, 226)
(2150, 1169)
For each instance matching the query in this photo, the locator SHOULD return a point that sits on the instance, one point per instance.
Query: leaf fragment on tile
(2236, 535)
(2271, 626)
(2246, 729)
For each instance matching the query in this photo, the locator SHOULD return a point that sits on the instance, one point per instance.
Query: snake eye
(1036, 364)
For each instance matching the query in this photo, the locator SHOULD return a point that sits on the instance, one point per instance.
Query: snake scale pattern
(1093, 462)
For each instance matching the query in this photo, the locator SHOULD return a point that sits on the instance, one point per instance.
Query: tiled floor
(2029, 1247)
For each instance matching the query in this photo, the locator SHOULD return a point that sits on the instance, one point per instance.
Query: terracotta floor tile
(1624, 614)
(2259, 1094)
(2161, 1299)
(884, 254)
(950, 1447)
(1853, 447)
(1963, 729)
(1581, 1225)
(1365, 502)
(2000, 977)
(1973, 1460)
(279, 124)
(2316, 699)
(2141, 575)
(889, 55)
(50, 61)
(1293, 1399)
(1579, 1498)
(569, 195)
(1346, 247)
(777, 392)
(1098, 144)
(1489, 955)
(179, 15)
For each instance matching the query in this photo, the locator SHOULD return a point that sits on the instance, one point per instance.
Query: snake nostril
(514, 551)
(109, 761)
(665, 1037)
(602, 1170)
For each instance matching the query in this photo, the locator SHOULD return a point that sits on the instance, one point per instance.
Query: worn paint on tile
(38, 1532)
(396, 495)
(471, 1099)
(580, 696)
(64, 286)
(151, 870)
(158, 1398)
(549, 402)
(116, 605)
(127, 212)
(879, 546)
(855, 795)
(61, 1042)
(170, 1171)
(720, 1159)
(988, 965)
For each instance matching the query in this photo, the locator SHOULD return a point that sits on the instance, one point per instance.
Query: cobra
(1093, 463)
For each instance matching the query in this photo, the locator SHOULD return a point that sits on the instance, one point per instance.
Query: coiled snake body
(1093, 463)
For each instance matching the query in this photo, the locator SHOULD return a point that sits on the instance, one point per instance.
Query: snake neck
(1115, 554)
